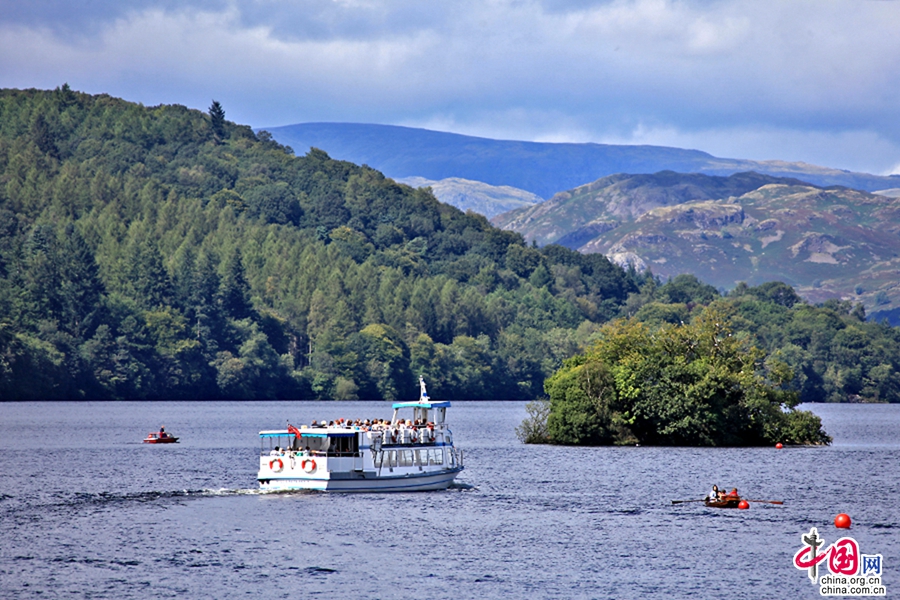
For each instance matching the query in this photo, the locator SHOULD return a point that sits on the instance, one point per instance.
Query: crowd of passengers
(419, 430)
(374, 424)
(407, 431)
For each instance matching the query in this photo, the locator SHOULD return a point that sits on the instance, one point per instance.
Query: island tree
(696, 384)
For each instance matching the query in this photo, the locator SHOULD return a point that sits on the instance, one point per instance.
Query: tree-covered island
(696, 384)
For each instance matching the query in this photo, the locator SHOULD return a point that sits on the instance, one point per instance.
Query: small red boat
(160, 437)
(730, 500)
(724, 502)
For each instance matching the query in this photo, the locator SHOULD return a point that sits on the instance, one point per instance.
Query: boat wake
(107, 498)
(62, 501)
(462, 487)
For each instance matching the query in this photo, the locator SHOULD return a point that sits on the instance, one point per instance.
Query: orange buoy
(842, 521)
(743, 505)
(778, 446)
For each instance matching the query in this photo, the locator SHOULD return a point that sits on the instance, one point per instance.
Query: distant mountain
(540, 168)
(826, 242)
(488, 200)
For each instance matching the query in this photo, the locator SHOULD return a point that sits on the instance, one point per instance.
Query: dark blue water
(87, 511)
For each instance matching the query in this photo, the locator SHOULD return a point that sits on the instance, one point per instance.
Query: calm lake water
(87, 511)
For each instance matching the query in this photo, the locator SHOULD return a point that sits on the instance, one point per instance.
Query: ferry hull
(364, 482)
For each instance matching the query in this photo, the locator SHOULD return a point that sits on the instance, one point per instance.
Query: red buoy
(842, 521)
(778, 446)
(743, 505)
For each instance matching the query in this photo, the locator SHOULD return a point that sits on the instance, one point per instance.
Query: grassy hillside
(162, 252)
(541, 168)
(826, 242)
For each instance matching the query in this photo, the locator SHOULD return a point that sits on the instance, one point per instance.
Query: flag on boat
(294, 430)
(423, 396)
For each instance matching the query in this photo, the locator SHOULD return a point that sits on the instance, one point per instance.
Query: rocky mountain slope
(826, 242)
(488, 200)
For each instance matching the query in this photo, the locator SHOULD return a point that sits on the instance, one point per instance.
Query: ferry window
(316, 445)
(436, 456)
(406, 458)
(421, 457)
(343, 446)
(392, 458)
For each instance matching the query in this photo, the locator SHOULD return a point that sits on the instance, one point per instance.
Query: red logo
(842, 555)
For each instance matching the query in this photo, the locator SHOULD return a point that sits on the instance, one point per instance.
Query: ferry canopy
(443, 404)
(308, 433)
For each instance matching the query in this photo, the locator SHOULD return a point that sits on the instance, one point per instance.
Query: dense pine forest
(164, 252)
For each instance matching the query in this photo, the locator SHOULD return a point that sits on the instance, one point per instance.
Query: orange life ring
(308, 465)
(280, 465)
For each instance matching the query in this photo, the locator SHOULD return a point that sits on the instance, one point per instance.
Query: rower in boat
(162, 437)
(719, 499)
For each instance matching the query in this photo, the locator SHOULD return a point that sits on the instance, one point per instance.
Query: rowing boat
(725, 502)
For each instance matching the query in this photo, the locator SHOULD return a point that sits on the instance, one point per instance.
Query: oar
(768, 501)
(683, 501)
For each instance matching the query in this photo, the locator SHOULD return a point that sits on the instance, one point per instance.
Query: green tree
(234, 291)
(385, 359)
(533, 430)
(217, 119)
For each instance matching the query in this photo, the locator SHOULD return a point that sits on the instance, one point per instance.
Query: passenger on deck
(275, 451)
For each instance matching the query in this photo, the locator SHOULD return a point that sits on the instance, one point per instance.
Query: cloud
(732, 78)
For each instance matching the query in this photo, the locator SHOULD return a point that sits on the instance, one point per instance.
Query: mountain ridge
(543, 168)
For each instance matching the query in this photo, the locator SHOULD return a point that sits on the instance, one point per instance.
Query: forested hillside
(832, 352)
(162, 252)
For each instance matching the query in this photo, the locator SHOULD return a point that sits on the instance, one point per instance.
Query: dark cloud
(87, 17)
(801, 80)
(327, 19)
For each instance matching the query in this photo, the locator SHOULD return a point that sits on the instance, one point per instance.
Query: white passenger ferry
(400, 455)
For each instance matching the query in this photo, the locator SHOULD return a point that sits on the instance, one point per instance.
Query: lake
(88, 511)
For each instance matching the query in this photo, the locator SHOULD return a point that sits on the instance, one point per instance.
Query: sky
(816, 81)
